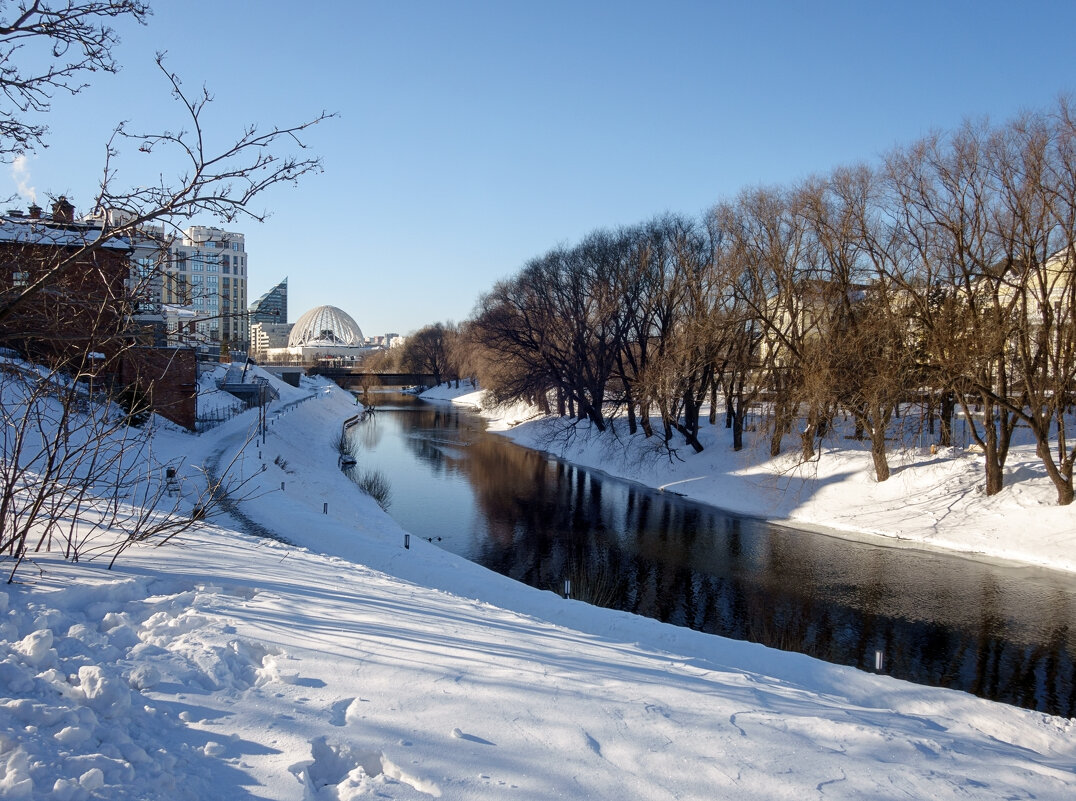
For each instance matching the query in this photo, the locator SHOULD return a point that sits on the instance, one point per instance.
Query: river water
(1002, 632)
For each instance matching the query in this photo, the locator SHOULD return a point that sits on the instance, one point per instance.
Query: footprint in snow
(346, 768)
(339, 712)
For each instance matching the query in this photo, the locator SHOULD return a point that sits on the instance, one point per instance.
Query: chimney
(35, 211)
(62, 211)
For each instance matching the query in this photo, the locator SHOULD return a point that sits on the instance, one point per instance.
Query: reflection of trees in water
(368, 433)
(685, 564)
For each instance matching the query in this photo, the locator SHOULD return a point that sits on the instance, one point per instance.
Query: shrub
(376, 485)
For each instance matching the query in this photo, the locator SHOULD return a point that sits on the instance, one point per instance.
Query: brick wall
(169, 375)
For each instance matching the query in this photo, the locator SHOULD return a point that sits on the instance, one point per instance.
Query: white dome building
(325, 326)
(323, 334)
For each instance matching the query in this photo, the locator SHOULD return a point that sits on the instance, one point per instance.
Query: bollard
(281, 486)
(879, 661)
(325, 508)
(567, 588)
(407, 541)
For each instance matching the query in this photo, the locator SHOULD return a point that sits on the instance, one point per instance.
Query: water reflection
(999, 632)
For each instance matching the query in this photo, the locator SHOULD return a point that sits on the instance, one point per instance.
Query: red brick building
(80, 316)
(81, 303)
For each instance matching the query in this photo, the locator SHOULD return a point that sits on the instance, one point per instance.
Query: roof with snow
(44, 231)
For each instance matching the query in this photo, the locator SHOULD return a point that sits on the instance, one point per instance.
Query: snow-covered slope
(346, 666)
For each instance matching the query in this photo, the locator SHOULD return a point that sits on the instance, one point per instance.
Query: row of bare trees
(943, 276)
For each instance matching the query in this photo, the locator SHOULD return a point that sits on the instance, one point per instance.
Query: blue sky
(473, 135)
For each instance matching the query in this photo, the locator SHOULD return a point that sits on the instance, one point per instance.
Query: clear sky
(473, 135)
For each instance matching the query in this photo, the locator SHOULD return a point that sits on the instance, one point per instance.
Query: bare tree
(646, 284)
(749, 361)
(427, 351)
(773, 250)
(679, 376)
(556, 328)
(859, 355)
(959, 284)
(1032, 161)
(49, 47)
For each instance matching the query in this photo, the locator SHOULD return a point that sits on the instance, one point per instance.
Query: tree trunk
(596, 418)
(690, 429)
(881, 463)
(995, 477)
(644, 420)
(807, 436)
(945, 415)
(629, 403)
(807, 442)
(1060, 475)
(689, 437)
(781, 417)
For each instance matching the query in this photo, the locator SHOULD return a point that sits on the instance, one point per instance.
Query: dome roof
(325, 325)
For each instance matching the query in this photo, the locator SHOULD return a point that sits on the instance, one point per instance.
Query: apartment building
(204, 289)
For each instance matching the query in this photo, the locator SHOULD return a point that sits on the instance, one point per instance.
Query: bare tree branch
(49, 47)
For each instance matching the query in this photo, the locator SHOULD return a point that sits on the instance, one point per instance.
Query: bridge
(356, 378)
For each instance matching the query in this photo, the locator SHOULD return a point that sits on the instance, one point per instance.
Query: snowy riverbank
(345, 666)
(931, 500)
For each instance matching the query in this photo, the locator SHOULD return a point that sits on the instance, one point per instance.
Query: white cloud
(20, 173)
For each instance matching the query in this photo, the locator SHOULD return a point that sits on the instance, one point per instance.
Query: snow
(26, 230)
(340, 665)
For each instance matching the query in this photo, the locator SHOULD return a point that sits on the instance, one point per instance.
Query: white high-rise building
(206, 280)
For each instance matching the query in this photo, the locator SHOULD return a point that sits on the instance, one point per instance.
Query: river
(1001, 632)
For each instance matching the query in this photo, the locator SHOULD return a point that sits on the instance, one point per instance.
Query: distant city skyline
(473, 136)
